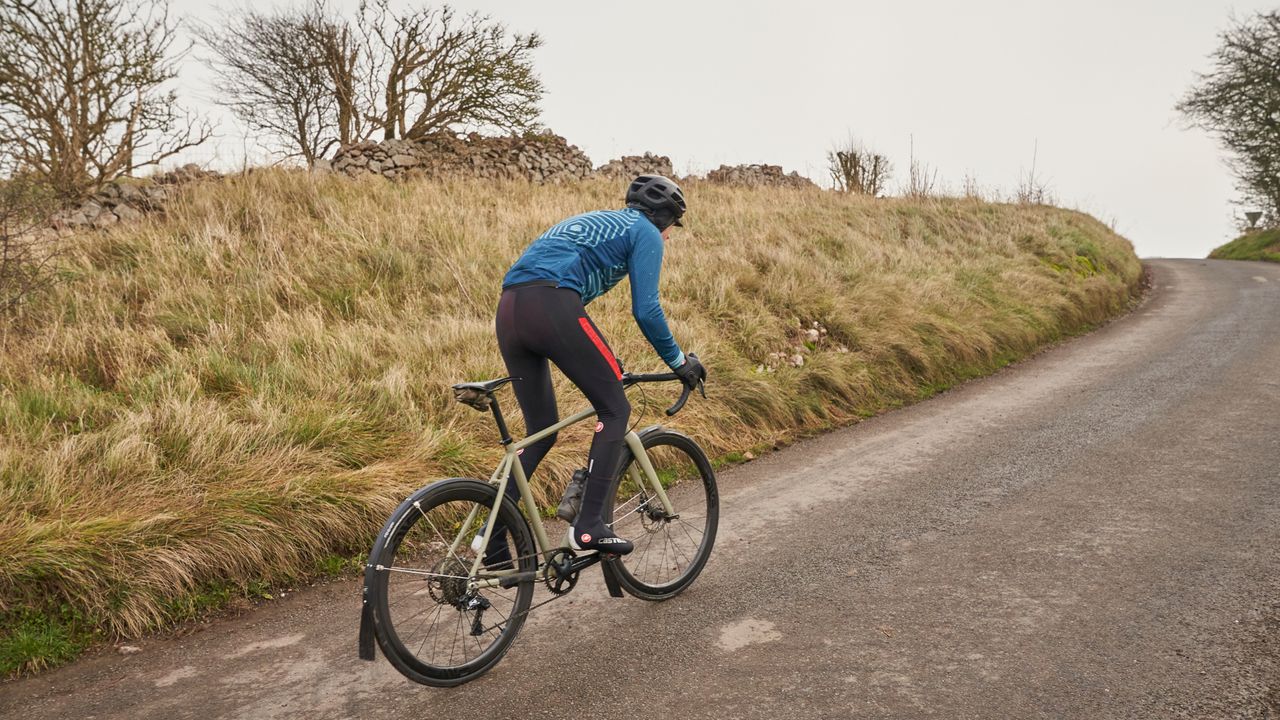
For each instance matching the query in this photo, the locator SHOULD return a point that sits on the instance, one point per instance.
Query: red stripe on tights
(604, 349)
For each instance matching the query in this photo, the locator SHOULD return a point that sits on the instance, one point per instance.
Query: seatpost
(502, 424)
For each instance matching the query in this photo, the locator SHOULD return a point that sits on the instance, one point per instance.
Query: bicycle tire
(436, 581)
(669, 554)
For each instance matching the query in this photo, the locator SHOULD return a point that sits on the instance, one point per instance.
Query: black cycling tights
(537, 323)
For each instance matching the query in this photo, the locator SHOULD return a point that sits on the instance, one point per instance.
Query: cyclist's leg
(581, 353)
(534, 393)
(537, 400)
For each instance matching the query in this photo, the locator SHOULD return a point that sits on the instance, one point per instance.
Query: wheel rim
(667, 550)
(430, 615)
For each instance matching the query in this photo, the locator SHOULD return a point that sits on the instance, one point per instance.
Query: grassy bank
(1257, 245)
(240, 392)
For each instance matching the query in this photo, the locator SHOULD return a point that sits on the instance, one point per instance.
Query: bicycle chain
(551, 599)
(554, 596)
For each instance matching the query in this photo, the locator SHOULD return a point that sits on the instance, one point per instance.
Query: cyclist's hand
(691, 372)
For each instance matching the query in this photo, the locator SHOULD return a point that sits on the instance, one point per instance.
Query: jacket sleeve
(644, 266)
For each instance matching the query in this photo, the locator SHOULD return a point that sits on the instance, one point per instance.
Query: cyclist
(542, 317)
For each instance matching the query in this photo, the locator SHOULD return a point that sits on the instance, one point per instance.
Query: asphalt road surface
(1093, 533)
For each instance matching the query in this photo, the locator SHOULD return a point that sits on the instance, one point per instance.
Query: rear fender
(368, 623)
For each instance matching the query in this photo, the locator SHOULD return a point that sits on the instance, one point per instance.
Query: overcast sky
(980, 85)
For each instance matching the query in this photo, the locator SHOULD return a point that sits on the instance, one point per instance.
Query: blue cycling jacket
(592, 252)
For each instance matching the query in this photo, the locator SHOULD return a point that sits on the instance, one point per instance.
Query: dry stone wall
(758, 175)
(629, 166)
(541, 158)
(538, 158)
(127, 199)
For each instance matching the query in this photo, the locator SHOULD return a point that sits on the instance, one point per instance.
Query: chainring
(557, 583)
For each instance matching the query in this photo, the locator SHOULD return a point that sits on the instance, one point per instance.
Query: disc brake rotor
(652, 517)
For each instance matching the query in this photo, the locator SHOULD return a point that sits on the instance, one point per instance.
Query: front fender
(660, 430)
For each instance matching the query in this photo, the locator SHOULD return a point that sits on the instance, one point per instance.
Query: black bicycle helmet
(659, 198)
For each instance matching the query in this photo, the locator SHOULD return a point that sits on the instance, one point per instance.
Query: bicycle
(442, 616)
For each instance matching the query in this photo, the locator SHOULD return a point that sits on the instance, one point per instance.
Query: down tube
(637, 451)
(531, 507)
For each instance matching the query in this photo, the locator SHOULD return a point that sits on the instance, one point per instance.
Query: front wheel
(436, 622)
(670, 549)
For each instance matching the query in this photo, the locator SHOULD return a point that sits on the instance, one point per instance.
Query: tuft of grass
(34, 640)
(1256, 245)
(235, 395)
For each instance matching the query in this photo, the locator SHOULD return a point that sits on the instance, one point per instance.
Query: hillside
(1257, 245)
(236, 394)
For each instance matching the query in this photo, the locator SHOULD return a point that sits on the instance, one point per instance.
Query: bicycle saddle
(478, 394)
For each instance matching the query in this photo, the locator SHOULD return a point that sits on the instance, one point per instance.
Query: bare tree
(1239, 102)
(439, 71)
(311, 79)
(856, 169)
(273, 73)
(351, 80)
(26, 248)
(81, 90)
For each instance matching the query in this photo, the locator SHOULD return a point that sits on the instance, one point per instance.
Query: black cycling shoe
(599, 538)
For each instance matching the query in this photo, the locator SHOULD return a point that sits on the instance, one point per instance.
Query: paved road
(1094, 533)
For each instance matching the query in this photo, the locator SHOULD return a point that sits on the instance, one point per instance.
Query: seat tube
(501, 477)
(462, 531)
(531, 508)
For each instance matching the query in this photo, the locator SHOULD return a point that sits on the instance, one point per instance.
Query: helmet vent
(656, 194)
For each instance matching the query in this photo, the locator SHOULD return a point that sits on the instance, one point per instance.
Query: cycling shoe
(599, 538)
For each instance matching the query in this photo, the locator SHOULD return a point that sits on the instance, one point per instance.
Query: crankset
(560, 574)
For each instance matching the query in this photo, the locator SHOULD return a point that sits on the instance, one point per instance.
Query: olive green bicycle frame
(510, 467)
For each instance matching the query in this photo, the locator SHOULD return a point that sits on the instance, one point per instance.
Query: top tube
(627, 379)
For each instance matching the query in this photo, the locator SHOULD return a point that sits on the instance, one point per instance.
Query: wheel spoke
(433, 623)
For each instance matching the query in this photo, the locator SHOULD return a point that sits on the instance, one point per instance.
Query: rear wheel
(432, 623)
(670, 550)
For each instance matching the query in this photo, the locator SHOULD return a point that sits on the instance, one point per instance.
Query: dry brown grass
(249, 385)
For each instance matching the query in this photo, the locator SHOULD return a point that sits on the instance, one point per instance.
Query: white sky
(979, 84)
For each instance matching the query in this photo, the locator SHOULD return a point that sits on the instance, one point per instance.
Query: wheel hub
(653, 517)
